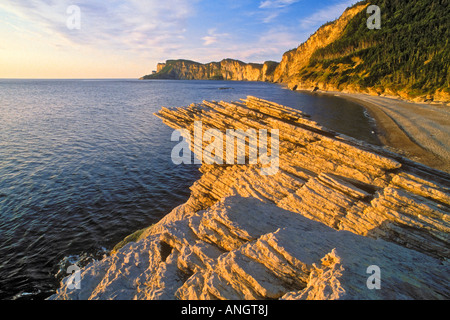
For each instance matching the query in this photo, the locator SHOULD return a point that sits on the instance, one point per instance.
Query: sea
(84, 163)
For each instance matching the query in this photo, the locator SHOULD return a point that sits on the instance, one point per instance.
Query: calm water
(83, 163)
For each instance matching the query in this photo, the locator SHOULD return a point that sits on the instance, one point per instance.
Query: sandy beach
(418, 131)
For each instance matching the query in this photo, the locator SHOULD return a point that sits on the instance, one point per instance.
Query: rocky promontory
(227, 69)
(340, 219)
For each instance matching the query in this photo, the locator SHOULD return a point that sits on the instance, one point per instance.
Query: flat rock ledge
(341, 219)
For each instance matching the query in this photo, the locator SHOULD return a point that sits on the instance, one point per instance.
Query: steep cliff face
(293, 61)
(227, 69)
(408, 57)
(336, 207)
(160, 66)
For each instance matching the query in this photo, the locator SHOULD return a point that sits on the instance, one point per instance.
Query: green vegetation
(410, 53)
(409, 56)
(135, 237)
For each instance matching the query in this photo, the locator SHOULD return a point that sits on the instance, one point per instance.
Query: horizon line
(69, 78)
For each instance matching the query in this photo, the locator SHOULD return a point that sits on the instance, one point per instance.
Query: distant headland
(401, 59)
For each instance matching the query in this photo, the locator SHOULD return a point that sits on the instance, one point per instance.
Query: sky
(63, 39)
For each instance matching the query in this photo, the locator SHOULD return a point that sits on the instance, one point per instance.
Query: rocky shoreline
(336, 210)
(417, 130)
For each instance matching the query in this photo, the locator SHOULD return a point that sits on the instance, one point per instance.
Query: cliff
(336, 210)
(407, 58)
(227, 69)
(295, 60)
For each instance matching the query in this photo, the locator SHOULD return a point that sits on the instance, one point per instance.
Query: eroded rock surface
(335, 207)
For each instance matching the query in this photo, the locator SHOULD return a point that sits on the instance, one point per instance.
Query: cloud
(271, 17)
(273, 8)
(270, 4)
(213, 37)
(115, 24)
(269, 45)
(143, 32)
(208, 40)
(272, 43)
(325, 15)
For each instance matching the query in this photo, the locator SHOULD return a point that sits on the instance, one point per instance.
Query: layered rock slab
(286, 257)
(335, 207)
(342, 182)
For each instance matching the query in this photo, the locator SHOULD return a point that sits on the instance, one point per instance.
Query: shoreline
(242, 235)
(415, 130)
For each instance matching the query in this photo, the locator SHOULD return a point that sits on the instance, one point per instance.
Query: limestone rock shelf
(336, 207)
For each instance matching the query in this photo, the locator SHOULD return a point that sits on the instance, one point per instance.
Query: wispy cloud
(324, 15)
(118, 24)
(133, 35)
(273, 8)
(270, 4)
(269, 45)
(270, 17)
(213, 37)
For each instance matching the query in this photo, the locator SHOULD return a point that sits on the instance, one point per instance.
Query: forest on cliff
(410, 52)
(408, 56)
